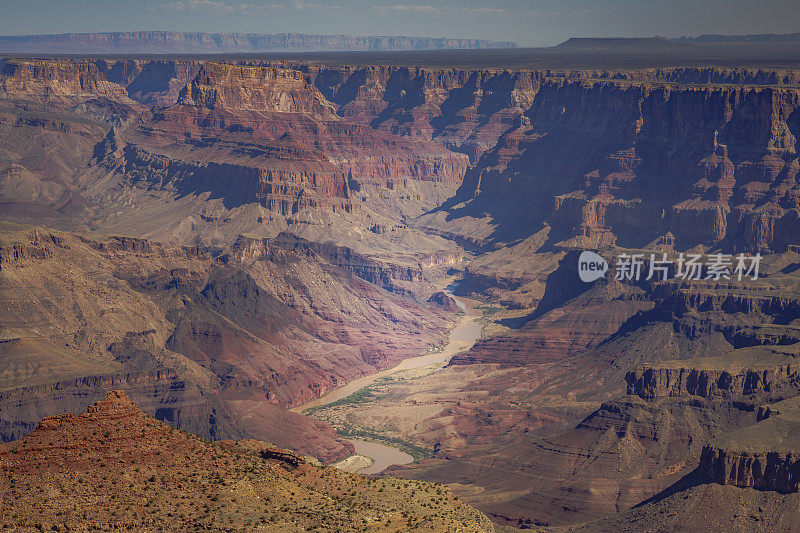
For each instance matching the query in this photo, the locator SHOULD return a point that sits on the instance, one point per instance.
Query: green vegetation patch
(489, 310)
(361, 396)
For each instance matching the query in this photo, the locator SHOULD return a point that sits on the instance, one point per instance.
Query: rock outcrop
(660, 382)
(444, 301)
(275, 90)
(765, 456)
(55, 79)
(764, 471)
(578, 322)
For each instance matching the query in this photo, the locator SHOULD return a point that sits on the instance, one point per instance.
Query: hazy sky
(529, 22)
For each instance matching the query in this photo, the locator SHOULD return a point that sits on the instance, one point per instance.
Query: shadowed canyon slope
(734, 133)
(730, 184)
(620, 395)
(205, 340)
(227, 239)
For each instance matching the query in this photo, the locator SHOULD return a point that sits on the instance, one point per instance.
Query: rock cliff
(716, 189)
(731, 183)
(654, 383)
(276, 121)
(151, 82)
(219, 85)
(764, 471)
(54, 79)
(765, 456)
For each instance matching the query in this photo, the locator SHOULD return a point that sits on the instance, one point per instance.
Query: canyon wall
(427, 269)
(654, 383)
(202, 339)
(32, 78)
(274, 125)
(707, 155)
(770, 470)
(708, 164)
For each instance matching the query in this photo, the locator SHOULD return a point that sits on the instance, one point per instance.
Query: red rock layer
(219, 85)
(464, 110)
(53, 79)
(277, 138)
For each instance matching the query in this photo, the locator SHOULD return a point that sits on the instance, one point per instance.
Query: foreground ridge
(114, 467)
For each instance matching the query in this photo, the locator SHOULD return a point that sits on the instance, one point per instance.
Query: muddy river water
(462, 337)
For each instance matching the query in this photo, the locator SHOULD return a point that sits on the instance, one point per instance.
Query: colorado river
(384, 456)
(463, 336)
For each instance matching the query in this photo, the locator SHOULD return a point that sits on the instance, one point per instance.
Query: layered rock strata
(172, 324)
(733, 185)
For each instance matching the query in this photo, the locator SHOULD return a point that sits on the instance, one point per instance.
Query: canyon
(233, 240)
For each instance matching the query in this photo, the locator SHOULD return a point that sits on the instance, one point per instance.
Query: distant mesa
(605, 43)
(656, 42)
(169, 42)
(753, 38)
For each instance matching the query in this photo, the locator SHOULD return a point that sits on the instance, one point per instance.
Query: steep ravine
(466, 331)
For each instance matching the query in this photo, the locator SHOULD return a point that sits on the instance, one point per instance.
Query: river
(461, 338)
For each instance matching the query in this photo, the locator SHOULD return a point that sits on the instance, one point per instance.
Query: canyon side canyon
(226, 240)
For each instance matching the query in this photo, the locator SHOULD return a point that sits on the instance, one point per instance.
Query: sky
(527, 22)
